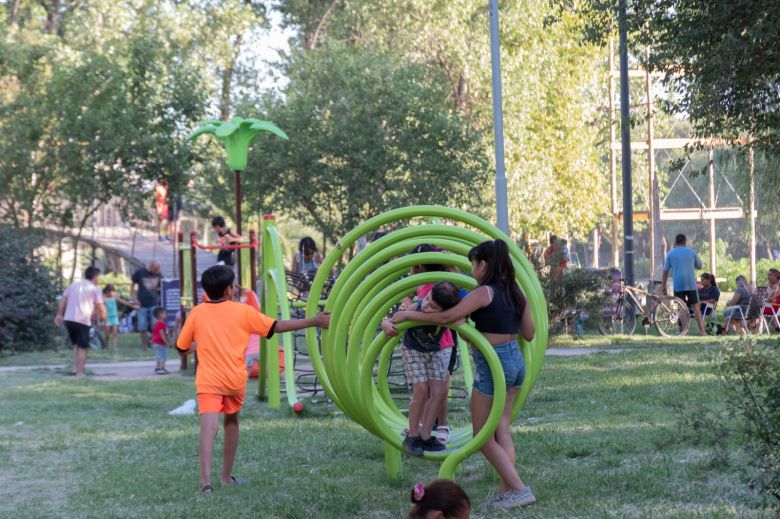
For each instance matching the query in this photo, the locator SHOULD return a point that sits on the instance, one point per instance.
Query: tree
(553, 88)
(368, 132)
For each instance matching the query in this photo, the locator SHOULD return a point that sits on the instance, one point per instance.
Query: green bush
(749, 414)
(28, 297)
(729, 268)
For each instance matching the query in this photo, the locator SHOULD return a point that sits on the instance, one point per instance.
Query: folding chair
(770, 313)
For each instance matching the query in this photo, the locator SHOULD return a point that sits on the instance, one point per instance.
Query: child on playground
(441, 499)
(160, 341)
(221, 328)
(426, 353)
(110, 298)
(502, 314)
(112, 316)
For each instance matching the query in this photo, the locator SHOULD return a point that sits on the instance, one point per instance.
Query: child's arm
(321, 320)
(164, 335)
(184, 343)
(389, 328)
(476, 299)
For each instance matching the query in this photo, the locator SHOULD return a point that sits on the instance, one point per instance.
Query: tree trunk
(13, 13)
(52, 16)
(227, 81)
(311, 41)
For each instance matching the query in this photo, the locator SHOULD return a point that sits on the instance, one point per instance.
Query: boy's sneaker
(413, 445)
(433, 444)
(164, 371)
(515, 498)
(157, 371)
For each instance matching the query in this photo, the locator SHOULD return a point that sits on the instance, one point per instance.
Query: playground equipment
(236, 135)
(351, 350)
(189, 288)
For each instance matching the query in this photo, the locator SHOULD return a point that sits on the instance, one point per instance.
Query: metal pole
(625, 138)
(237, 252)
(502, 208)
(613, 160)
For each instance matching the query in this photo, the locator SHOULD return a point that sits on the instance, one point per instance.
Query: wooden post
(752, 215)
(239, 227)
(194, 278)
(180, 253)
(711, 182)
(613, 161)
(594, 260)
(653, 201)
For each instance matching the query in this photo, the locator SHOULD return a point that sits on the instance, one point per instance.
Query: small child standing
(221, 328)
(160, 341)
(112, 316)
(426, 357)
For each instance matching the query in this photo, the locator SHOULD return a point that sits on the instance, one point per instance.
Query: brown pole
(252, 261)
(237, 177)
(752, 215)
(194, 277)
(180, 252)
(711, 182)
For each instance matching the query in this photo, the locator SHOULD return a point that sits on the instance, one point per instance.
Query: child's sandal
(207, 489)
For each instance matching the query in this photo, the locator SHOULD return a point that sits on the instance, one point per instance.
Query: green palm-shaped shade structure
(236, 135)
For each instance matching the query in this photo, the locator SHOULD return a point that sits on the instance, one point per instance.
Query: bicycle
(668, 314)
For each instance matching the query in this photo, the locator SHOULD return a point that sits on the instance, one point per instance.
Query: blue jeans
(512, 363)
(145, 316)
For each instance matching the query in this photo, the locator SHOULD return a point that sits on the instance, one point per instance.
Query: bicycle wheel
(618, 320)
(671, 317)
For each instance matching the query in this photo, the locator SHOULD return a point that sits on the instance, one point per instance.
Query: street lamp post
(502, 209)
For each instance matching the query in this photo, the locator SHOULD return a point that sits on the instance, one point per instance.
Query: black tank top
(500, 316)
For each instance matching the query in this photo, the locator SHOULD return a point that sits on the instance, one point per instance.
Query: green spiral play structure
(351, 358)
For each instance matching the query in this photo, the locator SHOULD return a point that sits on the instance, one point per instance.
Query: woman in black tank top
(500, 311)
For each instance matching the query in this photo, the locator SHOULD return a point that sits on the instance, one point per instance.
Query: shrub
(28, 297)
(749, 414)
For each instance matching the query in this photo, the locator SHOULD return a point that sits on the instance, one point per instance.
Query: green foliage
(729, 268)
(553, 91)
(369, 132)
(28, 296)
(748, 414)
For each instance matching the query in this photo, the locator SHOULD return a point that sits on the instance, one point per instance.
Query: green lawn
(597, 439)
(129, 348)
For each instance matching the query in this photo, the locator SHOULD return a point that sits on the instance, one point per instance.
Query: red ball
(298, 407)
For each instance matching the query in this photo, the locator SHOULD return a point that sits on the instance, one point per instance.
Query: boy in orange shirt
(221, 328)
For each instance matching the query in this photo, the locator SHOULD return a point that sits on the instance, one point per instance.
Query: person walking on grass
(220, 329)
(77, 305)
(145, 295)
(683, 262)
(160, 341)
(501, 313)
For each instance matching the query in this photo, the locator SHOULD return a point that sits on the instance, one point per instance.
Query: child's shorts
(512, 363)
(421, 367)
(160, 351)
(224, 404)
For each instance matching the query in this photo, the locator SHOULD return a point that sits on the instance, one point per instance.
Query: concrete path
(144, 369)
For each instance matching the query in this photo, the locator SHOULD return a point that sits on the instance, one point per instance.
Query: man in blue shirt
(683, 261)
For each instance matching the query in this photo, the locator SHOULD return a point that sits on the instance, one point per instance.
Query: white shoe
(515, 498)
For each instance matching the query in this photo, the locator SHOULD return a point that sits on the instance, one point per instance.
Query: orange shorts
(225, 404)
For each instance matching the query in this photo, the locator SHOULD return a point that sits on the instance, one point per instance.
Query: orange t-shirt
(221, 332)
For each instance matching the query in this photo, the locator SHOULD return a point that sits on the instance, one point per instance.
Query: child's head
(443, 296)
(109, 290)
(441, 499)
(491, 263)
(426, 247)
(159, 313)
(307, 247)
(218, 223)
(217, 281)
